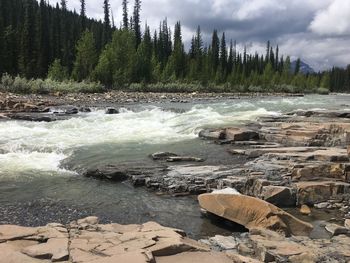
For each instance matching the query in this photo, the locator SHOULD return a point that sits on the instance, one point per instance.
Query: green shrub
(39, 86)
(322, 91)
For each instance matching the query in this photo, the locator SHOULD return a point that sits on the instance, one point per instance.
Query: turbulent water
(38, 161)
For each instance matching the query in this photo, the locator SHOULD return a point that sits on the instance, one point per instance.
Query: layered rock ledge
(86, 240)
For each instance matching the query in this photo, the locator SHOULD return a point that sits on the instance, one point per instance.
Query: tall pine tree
(125, 15)
(106, 34)
(137, 22)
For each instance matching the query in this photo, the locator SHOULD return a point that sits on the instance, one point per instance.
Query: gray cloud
(318, 31)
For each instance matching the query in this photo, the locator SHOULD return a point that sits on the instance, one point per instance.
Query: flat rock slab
(195, 257)
(91, 242)
(252, 212)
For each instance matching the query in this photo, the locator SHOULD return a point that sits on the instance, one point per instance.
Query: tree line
(38, 40)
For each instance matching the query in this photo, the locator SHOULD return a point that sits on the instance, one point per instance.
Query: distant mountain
(304, 68)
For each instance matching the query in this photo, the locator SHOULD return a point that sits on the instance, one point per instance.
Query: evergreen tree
(43, 40)
(137, 22)
(28, 47)
(223, 54)
(297, 66)
(83, 15)
(106, 35)
(125, 15)
(143, 70)
(64, 5)
(86, 57)
(177, 59)
(215, 51)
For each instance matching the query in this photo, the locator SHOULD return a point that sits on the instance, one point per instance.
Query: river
(40, 162)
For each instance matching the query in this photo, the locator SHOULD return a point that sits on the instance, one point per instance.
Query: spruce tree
(43, 40)
(83, 15)
(106, 35)
(215, 51)
(64, 5)
(297, 66)
(178, 54)
(223, 54)
(125, 15)
(27, 42)
(137, 22)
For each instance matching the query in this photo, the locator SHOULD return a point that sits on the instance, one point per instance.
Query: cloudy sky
(318, 31)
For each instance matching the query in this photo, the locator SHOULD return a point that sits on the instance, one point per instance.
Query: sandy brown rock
(55, 249)
(347, 223)
(320, 191)
(9, 232)
(305, 210)
(252, 212)
(195, 257)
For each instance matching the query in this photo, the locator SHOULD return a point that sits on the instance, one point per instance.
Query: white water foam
(42, 146)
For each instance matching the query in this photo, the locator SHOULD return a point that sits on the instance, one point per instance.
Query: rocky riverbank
(86, 240)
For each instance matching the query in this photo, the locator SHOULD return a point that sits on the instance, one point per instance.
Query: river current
(40, 162)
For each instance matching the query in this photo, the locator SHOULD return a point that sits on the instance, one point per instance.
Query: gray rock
(337, 230)
(109, 172)
(111, 111)
(162, 155)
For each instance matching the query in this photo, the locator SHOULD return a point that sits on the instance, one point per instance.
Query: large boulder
(252, 213)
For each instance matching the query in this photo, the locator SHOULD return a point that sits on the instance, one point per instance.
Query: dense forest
(49, 48)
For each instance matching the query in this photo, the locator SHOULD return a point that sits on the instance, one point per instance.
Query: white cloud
(334, 20)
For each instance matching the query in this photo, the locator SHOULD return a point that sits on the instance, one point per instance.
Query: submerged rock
(111, 111)
(162, 155)
(252, 212)
(109, 172)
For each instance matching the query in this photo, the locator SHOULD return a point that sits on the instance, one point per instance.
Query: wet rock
(252, 212)
(184, 159)
(305, 210)
(240, 134)
(321, 205)
(337, 230)
(111, 111)
(35, 117)
(70, 110)
(85, 109)
(162, 155)
(109, 172)
(212, 134)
